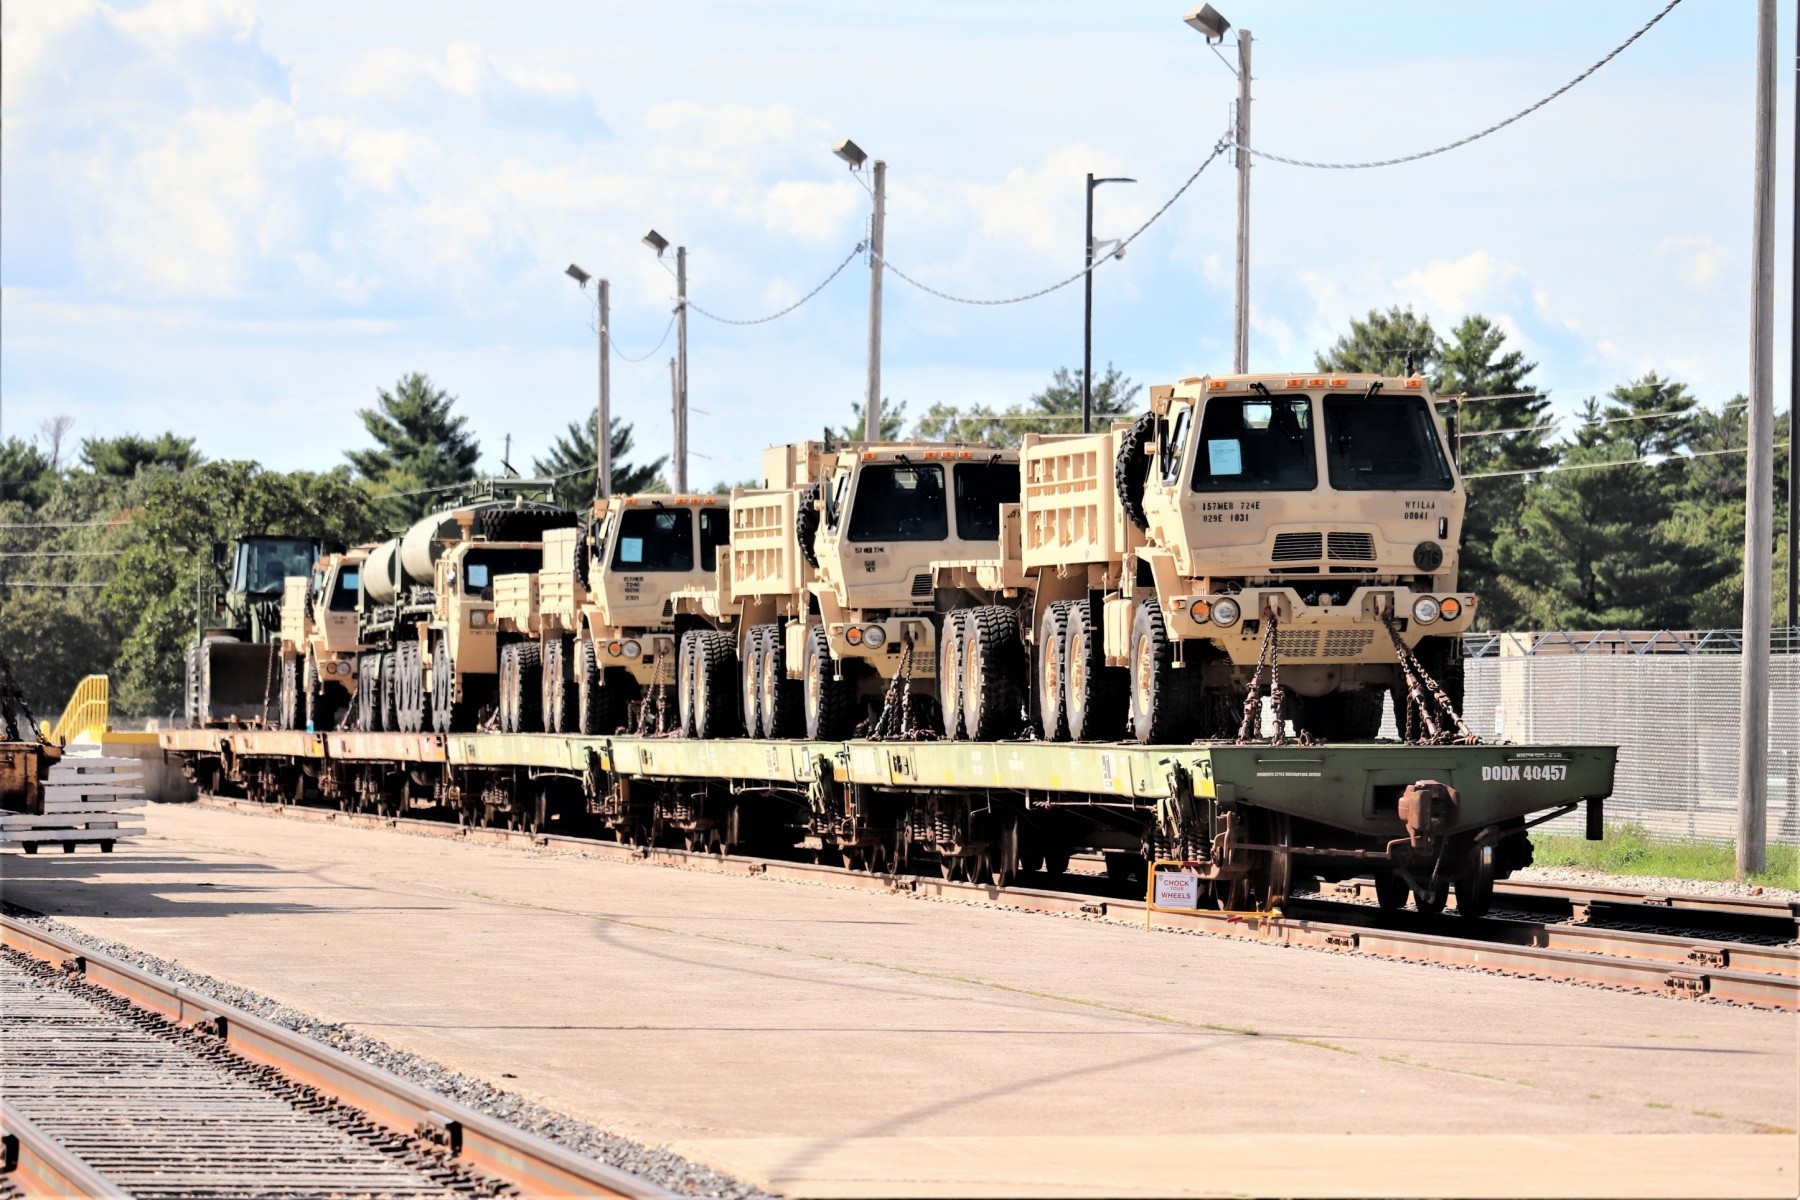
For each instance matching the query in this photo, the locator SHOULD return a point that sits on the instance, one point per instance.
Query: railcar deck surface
(838, 1042)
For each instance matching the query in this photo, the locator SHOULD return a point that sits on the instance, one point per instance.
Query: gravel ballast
(1664, 884)
(659, 1166)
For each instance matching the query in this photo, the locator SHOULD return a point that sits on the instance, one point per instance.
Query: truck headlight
(478, 619)
(1425, 610)
(1225, 611)
(1450, 608)
(874, 637)
(632, 649)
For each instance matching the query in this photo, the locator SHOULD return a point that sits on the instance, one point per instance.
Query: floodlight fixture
(578, 275)
(1207, 20)
(851, 153)
(656, 242)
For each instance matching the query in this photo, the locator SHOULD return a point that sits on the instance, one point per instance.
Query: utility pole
(681, 372)
(872, 406)
(1087, 319)
(1793, 566)
(679, 485)
(603, 414)
(1240, 354)
(1759, 516)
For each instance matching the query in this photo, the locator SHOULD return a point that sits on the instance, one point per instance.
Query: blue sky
(237, 220)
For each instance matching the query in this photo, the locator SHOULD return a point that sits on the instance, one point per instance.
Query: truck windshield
(343, 591)
(654, 539)
(897, 503)
(1256, 444)
(481, 567)
(263, 563)
(981, 488)
(1383, 443)
(715, 531)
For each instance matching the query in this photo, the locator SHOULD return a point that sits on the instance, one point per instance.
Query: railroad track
(1668, 964)
(120, 1083)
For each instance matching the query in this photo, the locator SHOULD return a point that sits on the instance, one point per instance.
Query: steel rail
(1578, 895)
(39, 1165)
(474, 1140)
(1674, 972)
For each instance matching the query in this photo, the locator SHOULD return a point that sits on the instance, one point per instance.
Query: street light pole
(603, 415)
(1793, 565)
(1759, 486)
(872, 406)
(1241, 323)
(681, 374)
(1087, 320)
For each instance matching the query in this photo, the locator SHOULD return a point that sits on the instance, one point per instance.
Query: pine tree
(1395, 342)
(1501, 399)
(1597, 546)
(893, 423)
(419, 446)
(574, 450)
(123, 457)
(1054, 409)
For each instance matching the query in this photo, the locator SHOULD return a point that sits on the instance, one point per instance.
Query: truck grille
(1353, 546)
(1297, 547)
(921, 587)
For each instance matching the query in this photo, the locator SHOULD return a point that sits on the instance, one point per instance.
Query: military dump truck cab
(426, 613)
(841, 580)
(320, 642)
(1323, 508)
(594, 630)
(231, 664)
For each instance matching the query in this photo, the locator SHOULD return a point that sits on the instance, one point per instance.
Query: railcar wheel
(781, 703)
(829, 701)
(1430, 900)
(1277, 871)
(1052, 657)
(1390, 891)
(1475, 886)
(952, 648)
(288, 715)
(1008, 856)
(752, 680)
(556, 707)
(716, 685)
(993, 661)
(1162, 700)
(1093, 692)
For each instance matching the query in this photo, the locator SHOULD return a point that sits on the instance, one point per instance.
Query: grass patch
(1632, 850)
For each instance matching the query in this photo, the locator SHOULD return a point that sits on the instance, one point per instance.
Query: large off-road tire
(390, 690)
(520, 688)
(1093, 693)
(556, 697)
(716, 685)
(1164, 701)
(602, 695)
(1052, 660)
(287, 715)
(506, 669)
(1344, 716)
(751, 689)
(312, 697)
(806, 524)
(993, 674)
(368, 693)
(951, 648)
(830, 702)
(449, 715)
(686, 657)
(415, 701)
(1132, 468)
(782, 706)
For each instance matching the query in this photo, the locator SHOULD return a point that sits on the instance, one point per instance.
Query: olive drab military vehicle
(854, 578)
(319, 643)
(232, 668)
(1307, 523)
(426, 619)
(593, 631)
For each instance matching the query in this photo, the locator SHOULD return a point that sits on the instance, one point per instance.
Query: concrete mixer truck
(426, 610)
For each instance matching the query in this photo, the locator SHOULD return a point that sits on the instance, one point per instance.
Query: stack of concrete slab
(85, 800)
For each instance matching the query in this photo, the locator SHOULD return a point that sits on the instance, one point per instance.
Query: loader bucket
(237, 681)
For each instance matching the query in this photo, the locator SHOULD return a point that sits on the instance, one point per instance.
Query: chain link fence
(1669, 701)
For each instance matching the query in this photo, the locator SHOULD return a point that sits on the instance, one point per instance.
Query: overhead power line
(835, 272)
(64, 524)
(1652, 459)
(614, 346)
(60, 553)
(1117, 252)
(1672, 412)
(13, 583)
(1473, 137)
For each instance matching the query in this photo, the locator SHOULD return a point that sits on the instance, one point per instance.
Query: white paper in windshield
(1224, 457)
(631, 550)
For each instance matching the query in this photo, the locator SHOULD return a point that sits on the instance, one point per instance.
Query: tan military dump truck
(594, 629)
(319, 642)
(1322, 508)
(852, 571)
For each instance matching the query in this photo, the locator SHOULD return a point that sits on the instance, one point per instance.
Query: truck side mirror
(220, 558)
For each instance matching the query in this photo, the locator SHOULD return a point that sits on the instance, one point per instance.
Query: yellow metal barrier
(1171, 885)
(89, 712)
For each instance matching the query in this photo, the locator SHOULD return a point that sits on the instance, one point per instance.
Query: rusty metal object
(1268, 659)
(1426, 702)
(1427, 808)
